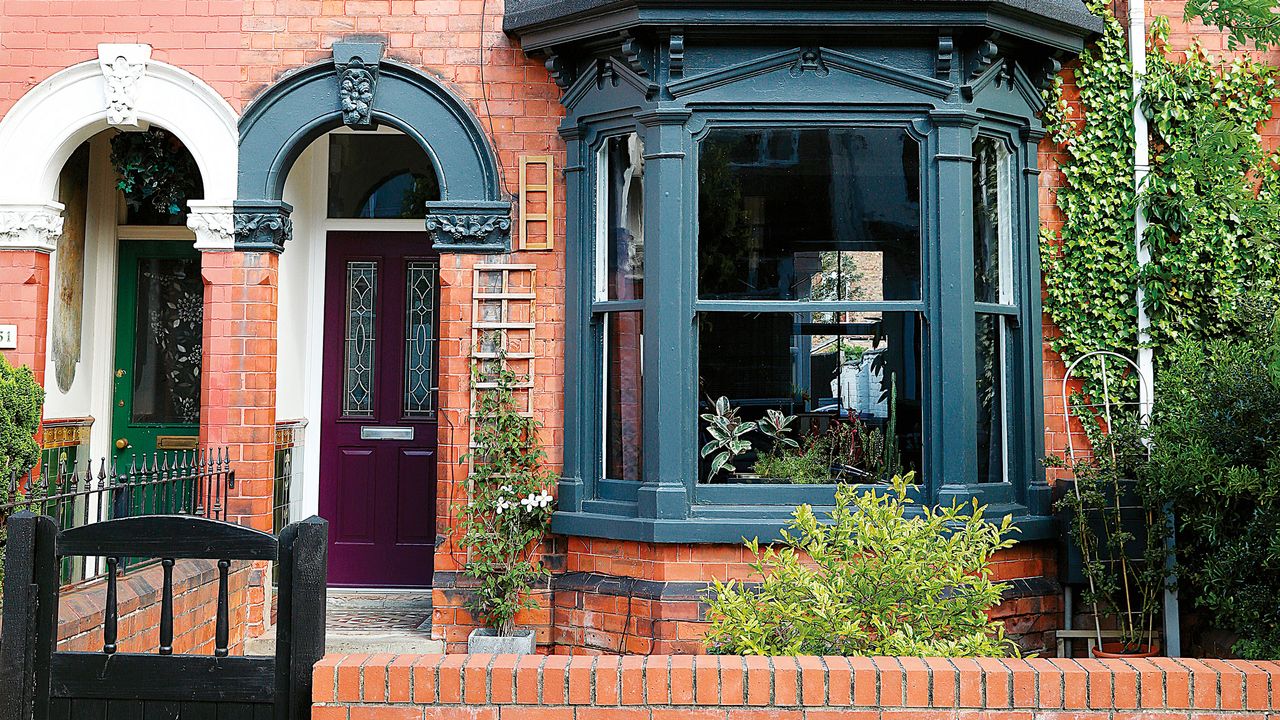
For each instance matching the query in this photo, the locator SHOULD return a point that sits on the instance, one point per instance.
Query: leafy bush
(21, 398)
(510, 506)
(876, 580)
(1216, 460)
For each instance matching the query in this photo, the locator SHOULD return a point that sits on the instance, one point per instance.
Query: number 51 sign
(8, 337)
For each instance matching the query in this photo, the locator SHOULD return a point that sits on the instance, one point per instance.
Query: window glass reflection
(992, 332)
(377, 175)
(624, 339)
(622, 256)
(818, 215)
(990, 226)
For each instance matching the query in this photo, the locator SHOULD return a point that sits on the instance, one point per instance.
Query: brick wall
(195, 602)
(41, 37)
(485, 687)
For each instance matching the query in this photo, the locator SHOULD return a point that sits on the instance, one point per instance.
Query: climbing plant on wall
(1090, 264)
(1211, 198)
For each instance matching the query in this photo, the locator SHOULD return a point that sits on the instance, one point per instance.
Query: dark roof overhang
(1063, 25)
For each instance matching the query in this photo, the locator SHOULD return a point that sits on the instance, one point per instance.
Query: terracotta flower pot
(1115, 650)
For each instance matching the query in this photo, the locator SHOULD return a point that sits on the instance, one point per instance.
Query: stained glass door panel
(378, 434)
(159, 350)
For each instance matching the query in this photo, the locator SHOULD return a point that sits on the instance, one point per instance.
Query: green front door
(159, 336)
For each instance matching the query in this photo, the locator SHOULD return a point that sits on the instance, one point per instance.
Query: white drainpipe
(1146, 363)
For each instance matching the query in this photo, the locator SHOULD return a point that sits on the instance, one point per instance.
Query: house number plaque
(8, 337)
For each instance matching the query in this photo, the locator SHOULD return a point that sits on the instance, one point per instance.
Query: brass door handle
(121, 444)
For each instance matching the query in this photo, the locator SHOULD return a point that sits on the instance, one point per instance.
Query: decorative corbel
(946, 56)
(561, 69)
(1048, 72)
(357, 65)
(213, 223)
(631, 51)
(988, 51)
(30, 227)
(675, 54)
(123, 67)
(469, 227)
(262, 226)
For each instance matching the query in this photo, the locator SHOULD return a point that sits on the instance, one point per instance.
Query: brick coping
(385, 685)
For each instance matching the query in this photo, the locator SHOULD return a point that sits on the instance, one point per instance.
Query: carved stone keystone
(123, 67)
(357, 65)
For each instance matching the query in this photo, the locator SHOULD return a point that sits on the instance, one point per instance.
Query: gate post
(300, 626)
(30, 614)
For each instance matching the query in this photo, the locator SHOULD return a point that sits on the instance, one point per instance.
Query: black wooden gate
(38, 682)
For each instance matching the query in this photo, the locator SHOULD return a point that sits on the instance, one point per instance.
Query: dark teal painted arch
(278, 126)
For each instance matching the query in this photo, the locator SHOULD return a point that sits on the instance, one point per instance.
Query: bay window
(794, 266)
(809, 300)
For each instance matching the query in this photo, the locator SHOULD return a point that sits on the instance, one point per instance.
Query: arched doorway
(365, 197)
(97, 260)
(359, 290)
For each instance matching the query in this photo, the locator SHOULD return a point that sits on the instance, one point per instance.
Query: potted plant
(507, 517)
(1117, 530)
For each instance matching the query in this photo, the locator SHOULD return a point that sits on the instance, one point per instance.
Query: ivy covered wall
(1211, 197)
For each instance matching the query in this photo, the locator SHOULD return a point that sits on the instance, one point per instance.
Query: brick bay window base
(623, 597)
(660, 687)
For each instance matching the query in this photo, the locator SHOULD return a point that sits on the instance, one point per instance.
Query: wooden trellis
(503, 329)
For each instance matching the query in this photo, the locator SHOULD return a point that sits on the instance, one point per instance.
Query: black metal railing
(184, 482)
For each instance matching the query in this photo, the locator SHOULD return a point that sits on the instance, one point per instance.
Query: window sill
(733, 524)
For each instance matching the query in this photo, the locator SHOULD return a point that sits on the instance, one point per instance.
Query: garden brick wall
(658, 687)
(195, 602)
(81, 609)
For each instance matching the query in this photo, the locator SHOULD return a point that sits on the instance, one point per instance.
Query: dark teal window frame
(606, 96)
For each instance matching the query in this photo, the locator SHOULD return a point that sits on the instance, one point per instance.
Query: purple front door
(378, 438)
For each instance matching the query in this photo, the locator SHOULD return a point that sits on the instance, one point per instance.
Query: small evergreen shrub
(1215, 460)
(21, 399)
(874, 580)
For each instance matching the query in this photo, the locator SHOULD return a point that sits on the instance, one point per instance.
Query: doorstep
(370, 621)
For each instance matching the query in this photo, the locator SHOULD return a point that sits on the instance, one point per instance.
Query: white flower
(502, 504)
(536, 501)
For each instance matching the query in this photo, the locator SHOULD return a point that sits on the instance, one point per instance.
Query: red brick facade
(240, 48)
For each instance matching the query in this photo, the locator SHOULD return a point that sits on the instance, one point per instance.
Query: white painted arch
(50, 121)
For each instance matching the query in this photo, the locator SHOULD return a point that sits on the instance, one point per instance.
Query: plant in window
(805, 464)
(1119, 532)
(728, 434)
(872, 580)
(777, 427)
(21, 398)
(156, 173)
(509, 511)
